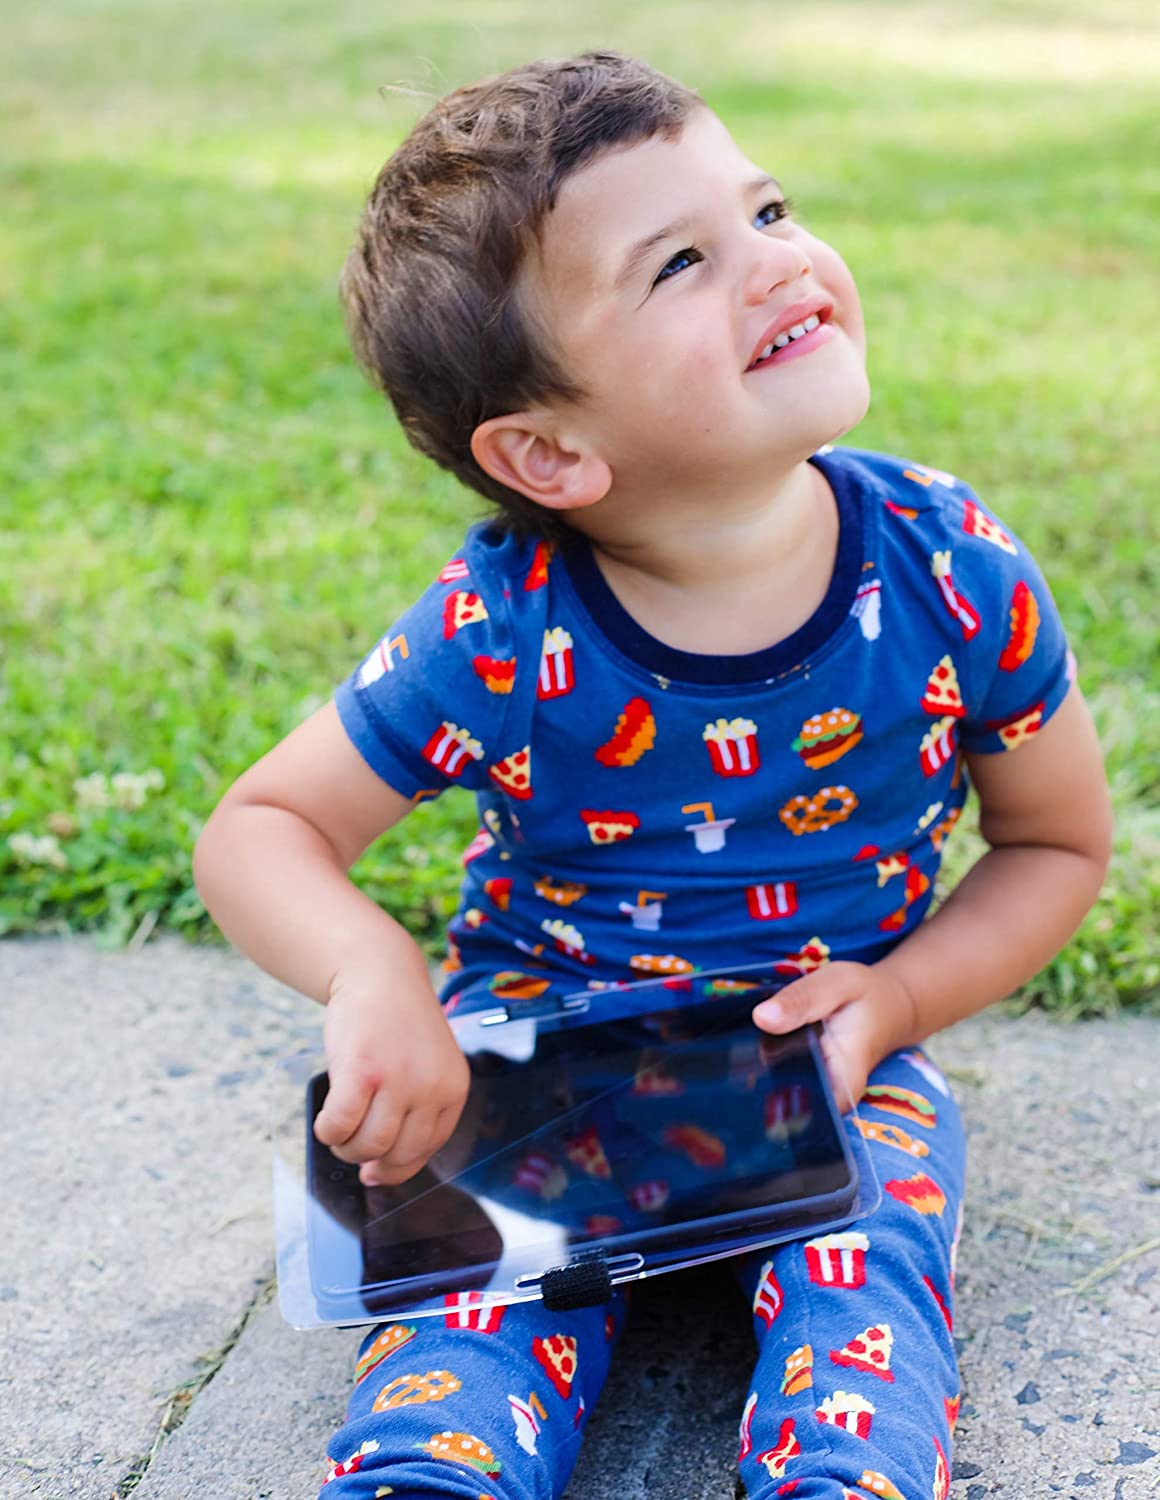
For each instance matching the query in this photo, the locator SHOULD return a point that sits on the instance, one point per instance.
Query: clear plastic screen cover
(608, 1135)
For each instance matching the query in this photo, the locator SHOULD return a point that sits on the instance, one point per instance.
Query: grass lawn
(207, 516)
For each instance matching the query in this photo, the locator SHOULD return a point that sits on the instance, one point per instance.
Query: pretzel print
(414, 1390)
(825, 809)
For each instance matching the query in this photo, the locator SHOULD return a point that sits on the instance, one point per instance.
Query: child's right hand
(398, 1079)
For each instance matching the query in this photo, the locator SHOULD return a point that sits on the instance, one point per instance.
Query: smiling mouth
(790, 336)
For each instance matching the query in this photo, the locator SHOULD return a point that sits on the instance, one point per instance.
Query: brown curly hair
(430, 286)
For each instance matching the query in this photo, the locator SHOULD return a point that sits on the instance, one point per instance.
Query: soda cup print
(708, 836)
(732, 746)
(382, 659)
(646, 914)
(557, 676)
(768, 902)
(867, 608)
(923, 474)
(450, 748)
(527, 1415)
(837, 1260)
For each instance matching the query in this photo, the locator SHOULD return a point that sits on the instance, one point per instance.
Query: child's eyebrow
(641, 250)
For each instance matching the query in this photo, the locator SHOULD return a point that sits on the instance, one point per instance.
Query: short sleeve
(1018, 662)
(426, 707)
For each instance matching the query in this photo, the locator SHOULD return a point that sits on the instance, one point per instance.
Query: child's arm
(1046, 815)
(271, 868)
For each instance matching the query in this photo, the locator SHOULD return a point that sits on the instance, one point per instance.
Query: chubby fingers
(419, 1137)
(343, 1110)
(811, 998)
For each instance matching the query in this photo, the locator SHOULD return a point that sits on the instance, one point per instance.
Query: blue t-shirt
(652, 811)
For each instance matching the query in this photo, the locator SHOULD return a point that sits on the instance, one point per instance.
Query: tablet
(684, 1132)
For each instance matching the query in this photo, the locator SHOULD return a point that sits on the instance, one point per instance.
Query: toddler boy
(718, 686)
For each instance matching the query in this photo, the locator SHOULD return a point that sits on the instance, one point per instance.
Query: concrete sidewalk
(137, 1259)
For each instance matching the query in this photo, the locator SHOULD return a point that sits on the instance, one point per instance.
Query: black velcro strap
(584, 1283)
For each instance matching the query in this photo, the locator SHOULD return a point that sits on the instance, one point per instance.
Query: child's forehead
(629, 194)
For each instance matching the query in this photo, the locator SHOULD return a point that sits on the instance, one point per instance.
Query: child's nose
(775, 262)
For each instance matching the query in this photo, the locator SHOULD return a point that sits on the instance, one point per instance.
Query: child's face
(667, 341)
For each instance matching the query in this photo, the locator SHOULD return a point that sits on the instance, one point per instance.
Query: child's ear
(526, 451)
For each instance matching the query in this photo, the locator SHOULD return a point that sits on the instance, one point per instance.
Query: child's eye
(769, 213)
(676, 263)
(779, 209)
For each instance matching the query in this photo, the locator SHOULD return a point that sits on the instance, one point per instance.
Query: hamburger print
(878, 1484)
(385, 1344)
(562, 892)
(896, 1100)
(799, 1371)
(462, 1448)
(826, 737)
(511, 984)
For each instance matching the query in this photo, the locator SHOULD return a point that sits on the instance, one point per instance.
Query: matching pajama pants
(855, 1388)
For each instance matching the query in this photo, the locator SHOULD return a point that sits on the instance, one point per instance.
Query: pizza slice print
(558, 1357)
(513, 774)
(976, 522)
(1019, 728)
(869, 1352)
(460, 609)
(942, 695)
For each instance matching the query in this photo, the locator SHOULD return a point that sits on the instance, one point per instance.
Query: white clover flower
(130, 791)
(45, 850)
(92, 791)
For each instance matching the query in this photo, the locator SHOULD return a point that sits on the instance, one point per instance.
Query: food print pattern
(646, 811)
(855, 1390)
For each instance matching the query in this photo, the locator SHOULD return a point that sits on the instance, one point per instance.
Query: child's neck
(725, 579)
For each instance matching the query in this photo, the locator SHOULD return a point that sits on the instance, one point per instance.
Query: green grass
(206, 514)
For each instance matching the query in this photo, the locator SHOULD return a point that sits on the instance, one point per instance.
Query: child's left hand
(867, 1011)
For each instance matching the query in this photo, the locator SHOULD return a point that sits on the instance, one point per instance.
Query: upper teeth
(807, 326)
